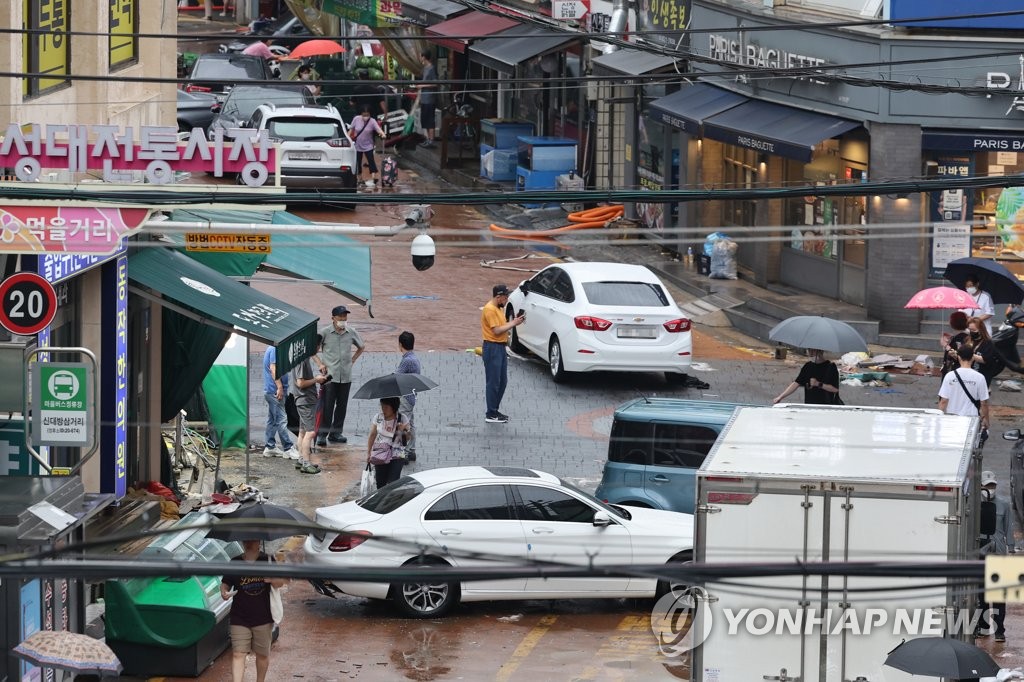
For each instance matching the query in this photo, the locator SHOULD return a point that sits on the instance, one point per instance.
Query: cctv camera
(423, 252)
(414, 216)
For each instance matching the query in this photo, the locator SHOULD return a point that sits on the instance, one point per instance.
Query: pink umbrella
(315, 48)
(941, 297)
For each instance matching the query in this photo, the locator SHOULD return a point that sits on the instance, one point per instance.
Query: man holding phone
(495, 330)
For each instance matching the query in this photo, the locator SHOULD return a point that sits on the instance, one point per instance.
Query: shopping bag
(367, 483)
(410, 122)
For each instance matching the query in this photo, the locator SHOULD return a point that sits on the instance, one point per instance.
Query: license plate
(637, 332)
(304, 156)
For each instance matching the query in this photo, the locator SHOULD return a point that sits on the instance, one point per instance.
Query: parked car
(195, 110)
(314, 149)
(241, 102)
(617, 317)
(471, 517)
(218, 73)
(655, 449)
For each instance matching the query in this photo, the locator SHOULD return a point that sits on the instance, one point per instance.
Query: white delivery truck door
(914, 535)
(758, 528)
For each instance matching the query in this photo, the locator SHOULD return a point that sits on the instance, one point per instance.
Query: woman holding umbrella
(251, 621)
(387, 438)
(820, 379)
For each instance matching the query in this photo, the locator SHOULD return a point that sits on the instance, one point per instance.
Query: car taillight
(346, 169)
(197, 88)
(594, 324)
(337, 142)
(676, 326)
(350, 540)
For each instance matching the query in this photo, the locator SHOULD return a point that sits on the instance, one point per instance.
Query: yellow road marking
(633, 636)
(525, 648)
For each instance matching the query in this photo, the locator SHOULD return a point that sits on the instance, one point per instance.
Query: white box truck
(808, 483)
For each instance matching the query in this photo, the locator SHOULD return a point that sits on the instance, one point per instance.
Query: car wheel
(666, 586)
(514, 343)
(558, 373)
(428, 599)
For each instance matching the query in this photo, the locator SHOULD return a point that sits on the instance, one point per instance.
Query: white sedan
(472, 517)
(582, 317)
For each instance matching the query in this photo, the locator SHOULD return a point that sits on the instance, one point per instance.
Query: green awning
(340, 262)
(202, 293)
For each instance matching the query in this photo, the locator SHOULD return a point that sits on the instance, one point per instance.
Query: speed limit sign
(27, 303)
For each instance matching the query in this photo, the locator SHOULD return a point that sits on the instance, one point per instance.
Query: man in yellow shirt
(495, 332)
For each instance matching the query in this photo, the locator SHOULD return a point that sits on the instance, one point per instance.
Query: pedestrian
(208, 10)
(338, 356)
(986, 357)
(950, 342)
(994, 538)
(410, 364)
(274, 390)
(261, 48)
(820, 379)
(964, 390)
(428, 98)
(362, 130)
(367, 95)
(982, 300)
(495, 332)
(250, 618)
(305, 74)
(304, 384)
(384, 446)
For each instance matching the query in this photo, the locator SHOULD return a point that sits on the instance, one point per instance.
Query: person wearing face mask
(338, 356)
(986, 358)
(305, 74)
(983, 310)
(362, 129)
(820, 379)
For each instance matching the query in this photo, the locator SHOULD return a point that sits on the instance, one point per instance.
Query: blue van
(656, 447)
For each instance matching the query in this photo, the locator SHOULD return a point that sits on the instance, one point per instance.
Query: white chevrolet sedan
(615, 317)
(473, 517)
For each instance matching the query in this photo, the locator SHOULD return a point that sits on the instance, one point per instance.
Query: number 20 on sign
(27, 303)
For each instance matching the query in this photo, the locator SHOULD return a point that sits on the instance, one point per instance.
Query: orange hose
(592, 218)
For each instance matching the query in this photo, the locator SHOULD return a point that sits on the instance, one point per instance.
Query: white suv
(314, 150)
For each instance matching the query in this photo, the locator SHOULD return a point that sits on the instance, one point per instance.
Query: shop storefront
(749, 131)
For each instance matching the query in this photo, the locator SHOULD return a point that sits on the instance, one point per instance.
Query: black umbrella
(394, 386)
(1001, 284)
(941, 657)
(259, 522)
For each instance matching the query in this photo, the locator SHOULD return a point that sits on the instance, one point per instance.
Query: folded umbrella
(260, 521)
(394, 386)
(1001, 284)
(941, 657)
(821, 333)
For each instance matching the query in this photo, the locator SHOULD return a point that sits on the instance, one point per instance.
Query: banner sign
(67, 228)
(373, 13)
(159, 154)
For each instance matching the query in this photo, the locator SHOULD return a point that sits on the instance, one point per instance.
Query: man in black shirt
(820, 379)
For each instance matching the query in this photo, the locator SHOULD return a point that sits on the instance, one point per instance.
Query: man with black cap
(495, 332)
(338, 357)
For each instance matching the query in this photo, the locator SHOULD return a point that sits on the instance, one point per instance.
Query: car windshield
(613, 510)
(229, 70)
(304, 129)
(242, 102)
(630, 294)
(392, 496)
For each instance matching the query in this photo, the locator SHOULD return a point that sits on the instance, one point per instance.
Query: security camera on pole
(423, 250)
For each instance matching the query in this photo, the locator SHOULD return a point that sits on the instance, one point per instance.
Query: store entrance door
(853, 252)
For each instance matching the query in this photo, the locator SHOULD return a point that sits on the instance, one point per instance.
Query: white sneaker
(291, 453)
(370, 184)
(273, 452)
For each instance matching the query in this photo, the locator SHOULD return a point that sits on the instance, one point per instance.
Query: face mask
(339, 325)
(975, 335)
(987, 494)
(972, 290)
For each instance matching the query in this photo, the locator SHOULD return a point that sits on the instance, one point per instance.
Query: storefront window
(657, 169)
(999, 212)
(739, 172)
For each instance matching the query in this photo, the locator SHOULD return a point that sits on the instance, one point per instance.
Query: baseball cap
(988, 477)
(339, 310)
(499, 290)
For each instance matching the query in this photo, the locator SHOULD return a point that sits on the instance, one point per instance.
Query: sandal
(299, 463)
(310, 468)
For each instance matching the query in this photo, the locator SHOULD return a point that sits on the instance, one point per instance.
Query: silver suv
(314, 150)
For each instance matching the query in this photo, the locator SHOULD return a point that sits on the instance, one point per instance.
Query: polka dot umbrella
(70, 651)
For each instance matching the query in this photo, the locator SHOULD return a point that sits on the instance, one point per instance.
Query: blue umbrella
(1001, 284)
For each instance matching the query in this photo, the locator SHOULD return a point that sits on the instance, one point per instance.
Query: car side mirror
(601, 519)
(525, 287)
(1012, 434)
(216, 108)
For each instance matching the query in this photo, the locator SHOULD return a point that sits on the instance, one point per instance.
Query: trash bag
(709, 242)
(368, 483)
(723, 259)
